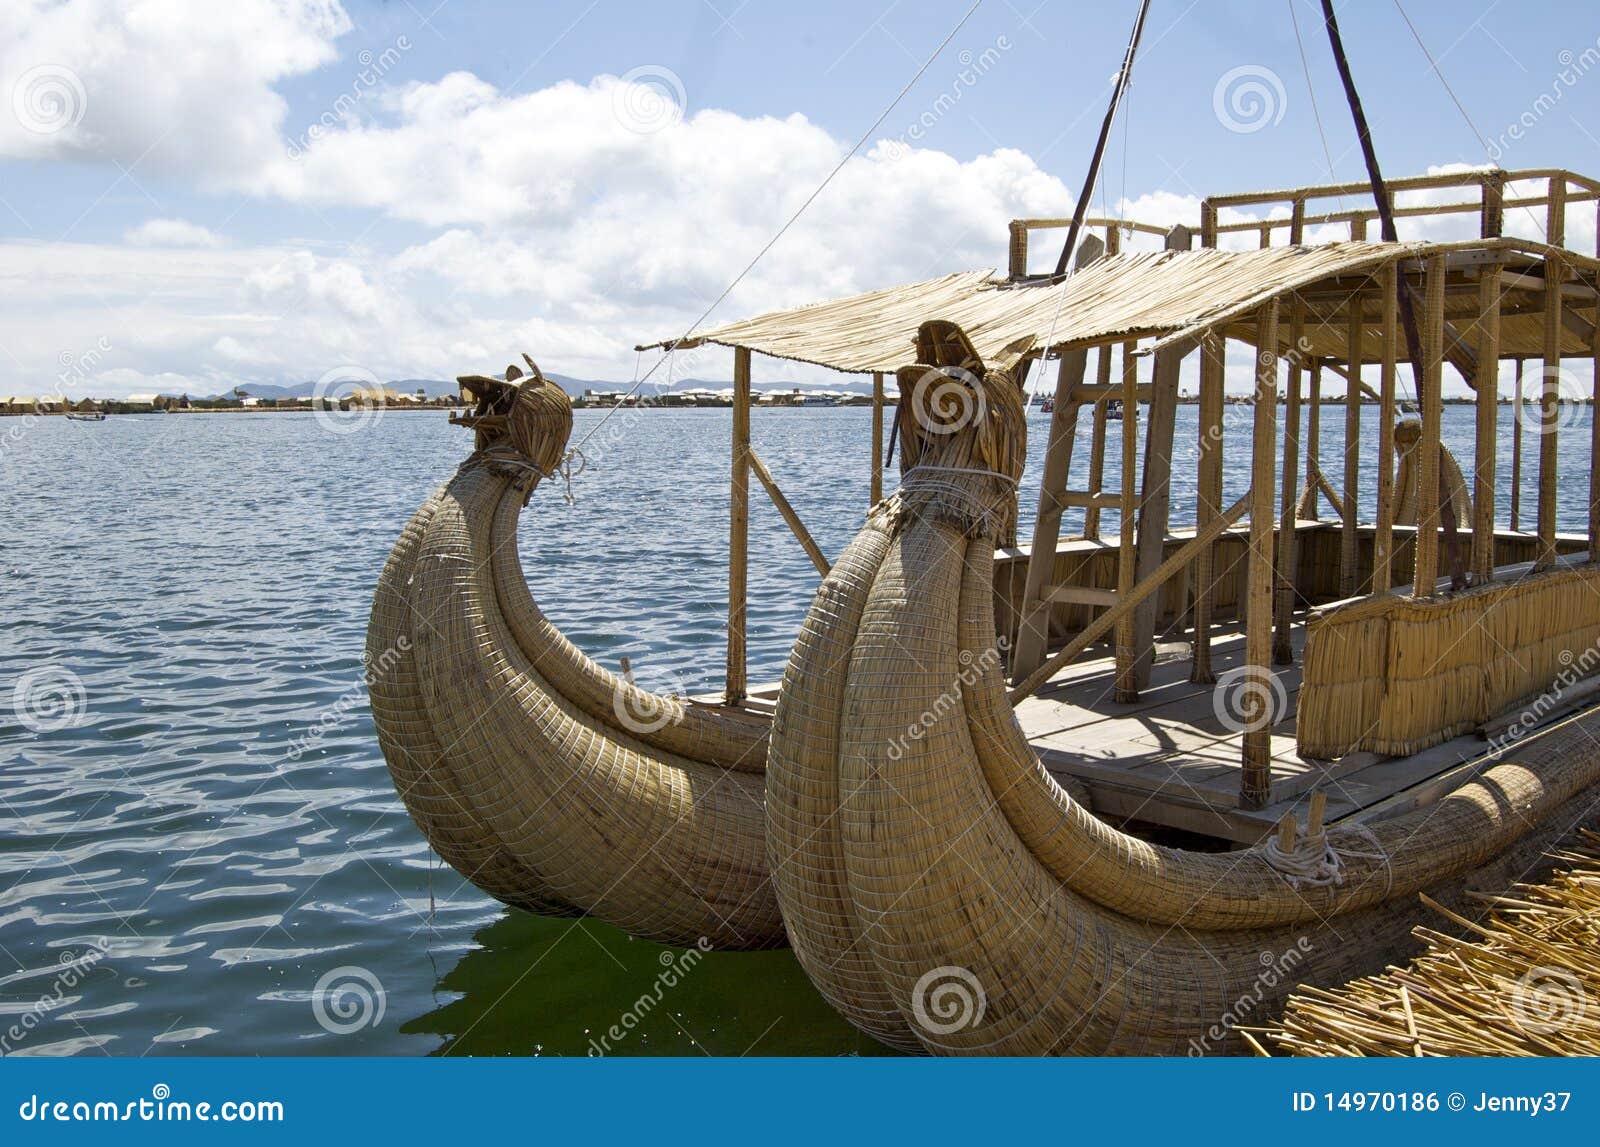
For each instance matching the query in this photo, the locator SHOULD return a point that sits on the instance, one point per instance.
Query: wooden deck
(1171, 758)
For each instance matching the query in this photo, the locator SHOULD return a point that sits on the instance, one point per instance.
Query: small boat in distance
(86, 416)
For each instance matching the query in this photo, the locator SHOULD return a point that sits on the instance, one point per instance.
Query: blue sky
(199, 194)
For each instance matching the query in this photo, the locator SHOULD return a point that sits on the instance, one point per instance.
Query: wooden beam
(1289, 495)
(1255, 784)
(877, 431)
(1155, 500)
(796, 526)
(1313, 440)
(735, 682)
(1213, 373)
(1097, 443)
(1383, 536)
(1127, 687)
(1033, 634)
(1349, 537)
(1488, 438)
(1594, 447)
(1549, 412)
(1517, 397)
(1427, 447)
(1118, 614)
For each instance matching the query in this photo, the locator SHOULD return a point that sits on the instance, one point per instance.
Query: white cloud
(171, 233)
(181, 87)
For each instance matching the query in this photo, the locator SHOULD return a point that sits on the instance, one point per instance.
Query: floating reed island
(1071, 791)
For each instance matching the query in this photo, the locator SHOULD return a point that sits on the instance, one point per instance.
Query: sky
(198, 195)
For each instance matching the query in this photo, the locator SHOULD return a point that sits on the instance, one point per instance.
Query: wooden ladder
(1143, 520)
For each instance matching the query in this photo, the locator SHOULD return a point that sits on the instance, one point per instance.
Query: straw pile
(1394, 674)
(1523, 983)
(945, 894)
(540, 776)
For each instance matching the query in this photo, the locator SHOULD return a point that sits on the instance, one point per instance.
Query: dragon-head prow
(963, 431)
(523, 419)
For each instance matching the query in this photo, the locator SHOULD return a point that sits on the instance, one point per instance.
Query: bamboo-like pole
(1549, 412)
(788, 513)
(1282, 647)
(1516, 449)
(1427, 447)
(1097, 444)
(1127, 686)
(1555, 220)
(1350, 533)
(1313, 440)
(877, 432)
(1213, 372)
(738, 529)
(1488, 385)
(1255, 786)
(1594, 443)
(1383, 535)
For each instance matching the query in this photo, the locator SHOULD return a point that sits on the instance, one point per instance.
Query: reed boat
(1120, 787)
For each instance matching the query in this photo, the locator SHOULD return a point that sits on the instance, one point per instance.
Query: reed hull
(544, 779)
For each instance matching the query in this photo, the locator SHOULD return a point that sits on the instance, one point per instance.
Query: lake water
(183, 859)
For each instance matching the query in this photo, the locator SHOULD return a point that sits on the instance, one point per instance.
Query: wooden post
(877, 437)
(1383, 535)
(1255, 785)
(1155, 498)
(738, 529)
(1127, 687)
(1282, 642)
(1488, 386)
(1033, 633)
(787, 511)
(1213, 351)
(1427, 447)
(1097, 444)
(1549, 413)
(1555, 219)
(1350, 532)
(1594, 443)
(1314, 440)
(1492, 217)
(1018, 261)
(1516, 448)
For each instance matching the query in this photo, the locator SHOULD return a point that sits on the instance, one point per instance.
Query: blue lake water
(206, 831)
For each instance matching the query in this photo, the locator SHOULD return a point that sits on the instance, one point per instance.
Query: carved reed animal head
(525, 413)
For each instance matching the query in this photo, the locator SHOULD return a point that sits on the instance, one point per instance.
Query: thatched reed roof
(1131, 295)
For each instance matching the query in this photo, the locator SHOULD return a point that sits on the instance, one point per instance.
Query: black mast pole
(1100, 145)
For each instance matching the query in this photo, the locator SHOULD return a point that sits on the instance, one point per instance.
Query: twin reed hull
(945, 894)
(547, 781)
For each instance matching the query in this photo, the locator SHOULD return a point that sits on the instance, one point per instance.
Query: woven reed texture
(1395, 674)
(1135, 293)
(540, 776)
(913, 833)
(1523, 982)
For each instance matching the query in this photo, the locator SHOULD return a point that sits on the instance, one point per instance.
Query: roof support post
(877, 437)
(1487, 445)
(1549, 412)
(1097, 442)
(1350, 534)
(1517, 397)
(738, 529)
(1426, 576)
(1311, 497)
(1283, 603)
(1255, 785)
(1594, 444)
(1213, 363)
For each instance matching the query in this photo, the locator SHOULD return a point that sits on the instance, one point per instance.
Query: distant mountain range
(438, 387)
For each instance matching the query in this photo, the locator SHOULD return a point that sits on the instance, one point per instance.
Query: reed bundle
(543, 778)
(1524, 982)
(1395, 674)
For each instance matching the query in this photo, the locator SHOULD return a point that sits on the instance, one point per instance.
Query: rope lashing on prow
(1311, 860)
